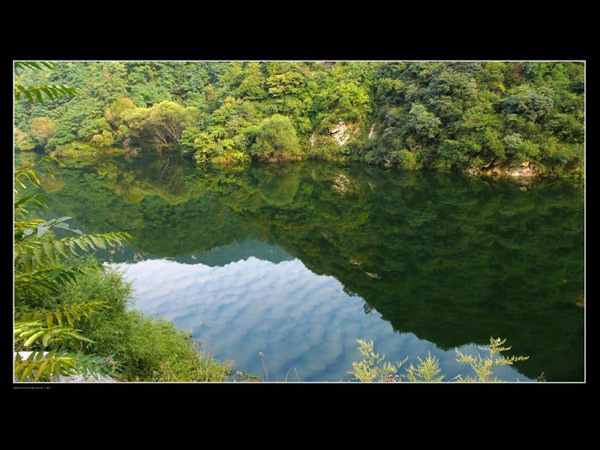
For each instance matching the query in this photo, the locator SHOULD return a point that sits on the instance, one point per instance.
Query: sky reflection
(305, 324)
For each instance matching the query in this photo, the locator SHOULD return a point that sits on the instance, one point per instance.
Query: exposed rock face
(372, 134)
(525, 170)
(521, 171)
(342, 132)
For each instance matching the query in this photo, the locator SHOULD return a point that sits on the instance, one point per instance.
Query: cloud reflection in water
(304, 323)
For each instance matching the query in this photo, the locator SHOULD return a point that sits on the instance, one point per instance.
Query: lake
(296, 261)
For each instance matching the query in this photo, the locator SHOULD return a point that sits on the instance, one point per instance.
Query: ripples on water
(305, 324)
(298, 261)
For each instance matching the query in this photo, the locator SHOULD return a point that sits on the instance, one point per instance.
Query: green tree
(162, 124)
(276, 139)
(42, 129)
(425, 124)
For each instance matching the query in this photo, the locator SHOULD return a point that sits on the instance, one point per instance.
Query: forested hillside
(462, 116)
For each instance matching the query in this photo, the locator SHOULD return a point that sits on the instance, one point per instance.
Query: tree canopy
(462, 116)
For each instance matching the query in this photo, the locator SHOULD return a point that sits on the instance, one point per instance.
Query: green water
(417, 261)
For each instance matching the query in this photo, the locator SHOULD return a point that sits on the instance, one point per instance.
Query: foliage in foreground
(55, 288)
(373, 367)
(44, 366)
(50, 294)
(147, 349)
(45, 265)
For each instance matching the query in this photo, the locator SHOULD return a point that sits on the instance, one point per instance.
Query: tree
(276, 139)
(413, 105)
(23, 141)
(425, 124)
(162, 124)
(114, 113)
(529, 102)
(252, 86)
(42, 129)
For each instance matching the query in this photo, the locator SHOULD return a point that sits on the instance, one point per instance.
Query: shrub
(404, 159)
(23, 141)
(276, 139)
(42, 129)
(147, 349)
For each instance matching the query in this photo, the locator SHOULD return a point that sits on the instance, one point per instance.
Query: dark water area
(299, 260)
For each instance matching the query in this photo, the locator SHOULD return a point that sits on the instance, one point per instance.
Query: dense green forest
(459, 116)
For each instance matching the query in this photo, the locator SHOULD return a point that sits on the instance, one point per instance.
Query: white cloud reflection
(301, 321)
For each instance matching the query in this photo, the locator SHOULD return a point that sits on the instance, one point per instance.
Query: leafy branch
(75, 310)
(33, 93)
(27, 172)
(39, 268)
(34, 65)
(40, 366)
(38, 328)
(51, 91)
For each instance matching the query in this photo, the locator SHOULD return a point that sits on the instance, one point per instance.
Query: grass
(146, 349)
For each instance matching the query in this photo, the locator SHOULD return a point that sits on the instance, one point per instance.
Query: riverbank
(143, 348)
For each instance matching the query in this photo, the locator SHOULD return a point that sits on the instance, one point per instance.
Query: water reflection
(305, 324)
(447, 259)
